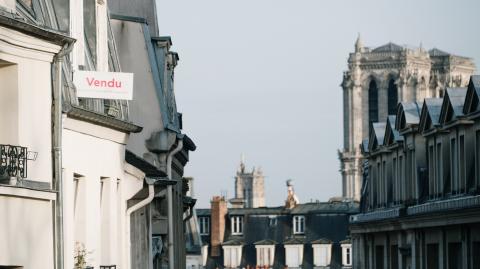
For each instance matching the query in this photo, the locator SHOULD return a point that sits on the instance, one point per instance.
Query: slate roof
(295, 241)
(203, 211)
(233, 242)
(408, 114)
(265, 242)
(389, 47)
(390, 132)
(321, 241)
(453, 101)
(377, 134)
(434, 106)
(473, 95)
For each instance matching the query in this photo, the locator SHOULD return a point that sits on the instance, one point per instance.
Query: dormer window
(204, 223)
(346, 253)
(298, 224)
(237, 225)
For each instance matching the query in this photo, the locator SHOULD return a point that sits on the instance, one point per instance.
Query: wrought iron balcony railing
(108, 266)
(13, 161)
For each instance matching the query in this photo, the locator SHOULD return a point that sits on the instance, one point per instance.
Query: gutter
(170, 203)
(130, 210)
(57, 151)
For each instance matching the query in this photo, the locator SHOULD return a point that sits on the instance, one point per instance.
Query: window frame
(301, 223)
(347, 254)
(204, 226)
(236, 225)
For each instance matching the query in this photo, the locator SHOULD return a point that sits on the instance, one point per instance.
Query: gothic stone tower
(376, 80)
(249, 188)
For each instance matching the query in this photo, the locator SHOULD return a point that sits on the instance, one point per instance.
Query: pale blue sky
(261, 77)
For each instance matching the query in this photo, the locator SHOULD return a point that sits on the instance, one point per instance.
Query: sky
(262, 78)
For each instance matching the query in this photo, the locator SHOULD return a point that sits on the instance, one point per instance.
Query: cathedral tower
(376, 80)
(249, 188)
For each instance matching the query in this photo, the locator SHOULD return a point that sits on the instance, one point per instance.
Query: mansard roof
(391, 134)
(377, 133)
(473, 95)
(408, 115)
(452, 106)
(430, 115)
(389, 47)
(234, 242)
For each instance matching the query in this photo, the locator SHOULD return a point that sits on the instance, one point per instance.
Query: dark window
(373, 102)
(455, 256)
(454, 165)
(392, 97)
(431, 172)
(379, 255)
(432, 256)
(394, 257)
(476, 255)
(461, 167)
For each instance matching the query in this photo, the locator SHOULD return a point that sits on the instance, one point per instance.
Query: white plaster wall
(26, 232)
(94, 217)
(29, 110)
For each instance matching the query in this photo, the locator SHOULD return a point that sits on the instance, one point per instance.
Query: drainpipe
(130, 210)
(170, 204)
(57, 153)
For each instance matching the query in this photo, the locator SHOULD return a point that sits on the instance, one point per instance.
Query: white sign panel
(104, 85)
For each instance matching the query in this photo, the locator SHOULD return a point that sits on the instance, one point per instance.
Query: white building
(85, 199)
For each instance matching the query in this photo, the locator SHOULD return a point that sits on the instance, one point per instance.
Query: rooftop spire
(358, 44)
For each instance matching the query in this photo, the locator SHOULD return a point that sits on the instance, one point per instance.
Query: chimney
(217, 215)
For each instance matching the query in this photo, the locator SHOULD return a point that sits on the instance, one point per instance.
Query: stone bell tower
(249, 188)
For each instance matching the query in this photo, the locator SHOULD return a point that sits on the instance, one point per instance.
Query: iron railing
(108, 266)
(13, 161)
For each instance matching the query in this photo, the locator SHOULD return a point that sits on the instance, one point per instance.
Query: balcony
(13, 161)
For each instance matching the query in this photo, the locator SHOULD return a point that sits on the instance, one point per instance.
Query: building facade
(91, 196)
(376, 80)
(420, 203)
(311, 235)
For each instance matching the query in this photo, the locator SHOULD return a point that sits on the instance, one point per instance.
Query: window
(394, 180)
(431, 172)
(392, 97)
(237, 225)
(265, 255)
(373, 102)
(394, 256)
(453, 165)
(299, 224)
(462, 163)
(401, 179)
(322, 254)
(293, 255)
(346, 254)
(232, 255)
(455, 260)
(379, 257)
(432, 256)
(439, 170)
(204, 223)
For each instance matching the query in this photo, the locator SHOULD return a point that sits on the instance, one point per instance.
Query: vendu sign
(104, 85)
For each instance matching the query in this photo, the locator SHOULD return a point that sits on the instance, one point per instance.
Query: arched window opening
(392, 97)
(373, 102)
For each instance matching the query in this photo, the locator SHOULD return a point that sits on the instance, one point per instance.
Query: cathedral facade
(376, 80)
